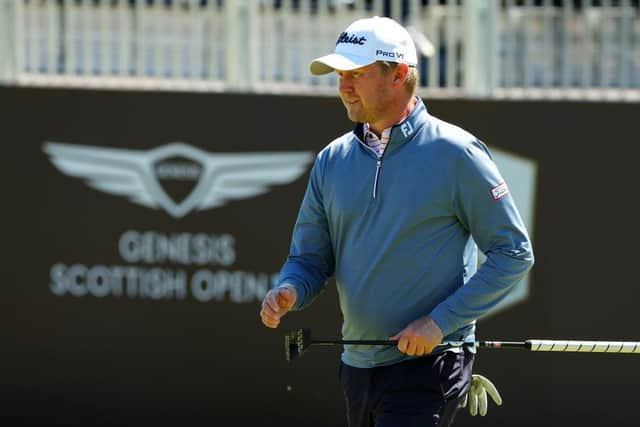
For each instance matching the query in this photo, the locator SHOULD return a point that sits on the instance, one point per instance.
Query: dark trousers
(421, 392)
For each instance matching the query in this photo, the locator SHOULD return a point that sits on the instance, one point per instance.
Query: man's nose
(345, 84)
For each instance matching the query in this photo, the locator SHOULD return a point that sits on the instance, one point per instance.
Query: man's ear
(400, 73)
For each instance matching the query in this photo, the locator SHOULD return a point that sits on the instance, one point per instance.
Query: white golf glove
(476, 398)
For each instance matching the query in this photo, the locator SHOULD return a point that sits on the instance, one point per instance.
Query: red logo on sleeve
(499, 191)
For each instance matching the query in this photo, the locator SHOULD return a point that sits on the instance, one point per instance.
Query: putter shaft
(487, 344)
(355, 342)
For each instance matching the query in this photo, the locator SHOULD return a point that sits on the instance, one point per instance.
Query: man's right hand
(276, 303)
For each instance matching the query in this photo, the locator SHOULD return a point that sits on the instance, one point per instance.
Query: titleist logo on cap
(350, 38)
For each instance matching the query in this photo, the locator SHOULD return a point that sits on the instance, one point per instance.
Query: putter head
(296, 342)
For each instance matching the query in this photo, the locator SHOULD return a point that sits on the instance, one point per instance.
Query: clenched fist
(277, 302)
(419, 337)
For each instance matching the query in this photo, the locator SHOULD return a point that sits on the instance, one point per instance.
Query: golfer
(396, 210)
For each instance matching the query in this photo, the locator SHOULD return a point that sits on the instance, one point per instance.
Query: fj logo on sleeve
(499, 191)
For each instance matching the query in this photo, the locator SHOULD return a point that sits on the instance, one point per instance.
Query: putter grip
(585, 346)
(365, 342)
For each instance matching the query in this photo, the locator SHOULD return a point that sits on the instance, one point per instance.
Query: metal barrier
(481, 48)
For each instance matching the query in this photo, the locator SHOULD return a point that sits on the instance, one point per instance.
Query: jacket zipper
(375, 182)
(378, 165)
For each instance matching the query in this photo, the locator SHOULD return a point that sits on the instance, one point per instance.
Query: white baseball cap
(366, 41)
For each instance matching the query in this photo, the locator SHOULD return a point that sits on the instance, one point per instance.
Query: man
(395, 210)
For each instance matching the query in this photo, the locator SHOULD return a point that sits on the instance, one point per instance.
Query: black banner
(141, 230)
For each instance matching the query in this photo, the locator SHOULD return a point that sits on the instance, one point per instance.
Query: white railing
(482, 48)
(562, 51)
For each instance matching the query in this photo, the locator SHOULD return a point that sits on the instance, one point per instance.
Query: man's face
(365, 93)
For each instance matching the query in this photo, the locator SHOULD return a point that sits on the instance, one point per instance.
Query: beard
(358, 113)
(370, 112)
(356, 116)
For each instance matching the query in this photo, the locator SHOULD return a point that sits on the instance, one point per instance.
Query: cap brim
(328, 63)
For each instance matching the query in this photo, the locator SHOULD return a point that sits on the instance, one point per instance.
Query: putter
(298, 341)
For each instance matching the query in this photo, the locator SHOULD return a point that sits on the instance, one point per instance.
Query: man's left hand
(419, 338)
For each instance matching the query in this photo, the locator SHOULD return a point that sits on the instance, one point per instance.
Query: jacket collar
(406, 129)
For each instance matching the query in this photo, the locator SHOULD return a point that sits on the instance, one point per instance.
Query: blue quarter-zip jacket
(401, 234)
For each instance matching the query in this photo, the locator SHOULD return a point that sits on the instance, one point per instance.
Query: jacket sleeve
(485, 208)
(311, 259)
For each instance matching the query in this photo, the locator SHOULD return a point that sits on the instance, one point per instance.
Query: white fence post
(11, 32)
(238, 15)
(6, 42)
(480, 49)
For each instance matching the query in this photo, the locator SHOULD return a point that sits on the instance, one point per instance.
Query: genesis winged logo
(144, 176)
